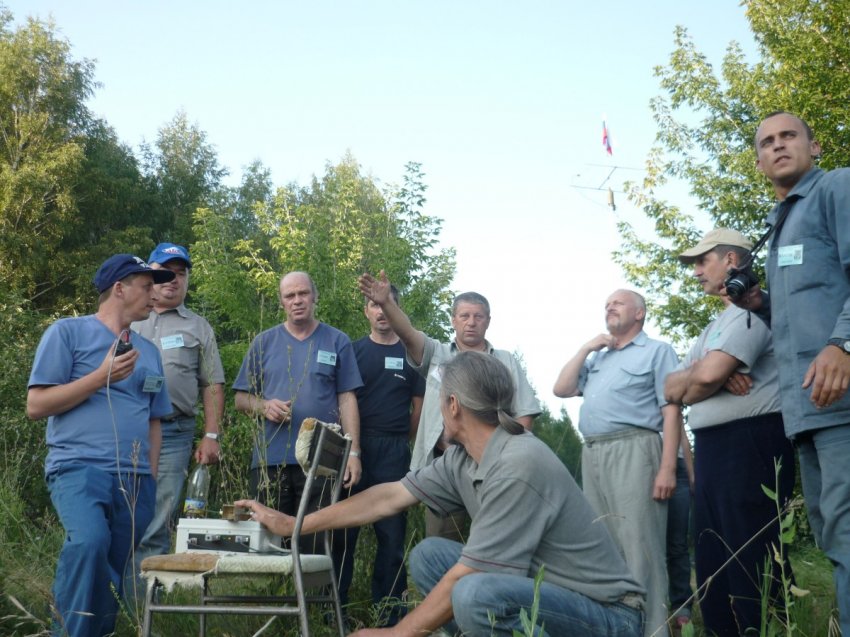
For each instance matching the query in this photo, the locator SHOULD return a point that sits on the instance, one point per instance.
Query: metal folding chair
(327, 457)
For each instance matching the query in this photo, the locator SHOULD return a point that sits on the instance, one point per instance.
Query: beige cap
(714, 238)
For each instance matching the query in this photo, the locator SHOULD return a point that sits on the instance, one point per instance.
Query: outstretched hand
(376, 290)
(276, 522)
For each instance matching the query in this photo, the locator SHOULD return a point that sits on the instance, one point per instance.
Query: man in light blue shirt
(627, 473)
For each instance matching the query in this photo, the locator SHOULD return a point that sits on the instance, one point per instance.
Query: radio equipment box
(224, 536)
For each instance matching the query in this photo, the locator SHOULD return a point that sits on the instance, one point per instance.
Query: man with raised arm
(103, 401)
(807, 272)
(529, 518)
(738, 440)
(470, 320)
(302, 368)
(628, 474)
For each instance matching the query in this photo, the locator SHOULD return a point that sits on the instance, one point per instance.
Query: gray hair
(483, 386)
(722, 250)
(473, 298)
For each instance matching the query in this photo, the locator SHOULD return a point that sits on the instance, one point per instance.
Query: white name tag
(153, 384)
(790, 255)
(170, 342)
(393, 362)
(328, 358)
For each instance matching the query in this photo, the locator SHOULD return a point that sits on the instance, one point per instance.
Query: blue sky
(501, 102)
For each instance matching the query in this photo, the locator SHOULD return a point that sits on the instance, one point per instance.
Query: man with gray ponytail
(528, 517)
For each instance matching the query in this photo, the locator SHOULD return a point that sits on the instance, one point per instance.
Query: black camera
(740, 281)
(124, 344)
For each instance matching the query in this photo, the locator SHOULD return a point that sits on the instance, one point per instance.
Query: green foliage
(706, 122)
(335, 229)
(561, 437)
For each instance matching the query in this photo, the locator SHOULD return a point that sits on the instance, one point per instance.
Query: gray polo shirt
(189, 355)
(752, 346)
(624, 388)
(527, 512)
(431, 421)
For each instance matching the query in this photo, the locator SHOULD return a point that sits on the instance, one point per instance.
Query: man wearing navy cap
(103, 404)
(192, 368)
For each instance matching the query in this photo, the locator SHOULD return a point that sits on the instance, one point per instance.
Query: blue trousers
(486, 604)
(824, 457)
(732, 462)
(104, 516)
(678, 551)
(385, 459)
(177, 441)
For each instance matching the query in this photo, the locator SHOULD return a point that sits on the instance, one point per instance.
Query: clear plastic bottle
(197, 491)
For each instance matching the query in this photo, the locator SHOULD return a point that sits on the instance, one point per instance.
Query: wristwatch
(356, 454)
(211, 436)
(841, 343)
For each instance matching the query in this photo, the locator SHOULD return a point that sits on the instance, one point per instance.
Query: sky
(501, 102)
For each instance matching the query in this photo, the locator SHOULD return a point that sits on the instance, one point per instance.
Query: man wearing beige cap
(739, 439)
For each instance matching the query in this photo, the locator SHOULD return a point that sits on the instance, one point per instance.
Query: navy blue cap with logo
(166, 252)
(119, 266)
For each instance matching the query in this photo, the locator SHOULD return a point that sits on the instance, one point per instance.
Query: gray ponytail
(483, 386)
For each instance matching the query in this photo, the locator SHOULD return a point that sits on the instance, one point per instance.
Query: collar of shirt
(488, 347)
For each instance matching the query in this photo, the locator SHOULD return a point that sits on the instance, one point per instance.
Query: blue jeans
(177, 440)
(104, 516)
(486, 604)
(678, 551)
(824, 455)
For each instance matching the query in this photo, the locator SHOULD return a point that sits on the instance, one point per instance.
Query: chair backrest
(327, 458)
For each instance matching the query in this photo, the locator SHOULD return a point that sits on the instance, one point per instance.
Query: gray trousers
(618, 473)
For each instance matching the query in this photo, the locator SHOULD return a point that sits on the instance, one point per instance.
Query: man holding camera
(807, 269)
(739, 439)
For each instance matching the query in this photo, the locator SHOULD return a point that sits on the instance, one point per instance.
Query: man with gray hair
(529, 518)
(628, 474)
(470, 320)
(739, 442)
(301, 368)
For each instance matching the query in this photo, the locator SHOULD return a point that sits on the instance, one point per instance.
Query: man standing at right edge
(807, 270)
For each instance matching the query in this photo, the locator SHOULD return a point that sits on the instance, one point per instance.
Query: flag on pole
(606, 139)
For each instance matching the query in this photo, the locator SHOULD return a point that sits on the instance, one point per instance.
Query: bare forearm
(350, 417)
(212, 397)
(57, 399)
(249, 403)
(676, 386)
(376, 503)
(566, 386)
(672, 436)
(412, 339)
(436, 609)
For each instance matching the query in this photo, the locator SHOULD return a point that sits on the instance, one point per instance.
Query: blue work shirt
(624, 388)
(807, 272)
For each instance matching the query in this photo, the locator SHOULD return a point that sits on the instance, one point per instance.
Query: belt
(631, 432)
(175, 418)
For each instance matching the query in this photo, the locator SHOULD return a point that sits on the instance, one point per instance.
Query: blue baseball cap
(119, 266)
(166, 252)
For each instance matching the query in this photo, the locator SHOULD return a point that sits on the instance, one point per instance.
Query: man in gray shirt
(739, 439)
(193, 369)
(627, 473)
(527, 513)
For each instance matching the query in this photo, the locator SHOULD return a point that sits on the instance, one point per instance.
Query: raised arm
(567, 384)
(378, 291)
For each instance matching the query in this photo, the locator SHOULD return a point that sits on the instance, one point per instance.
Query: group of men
(121, 430)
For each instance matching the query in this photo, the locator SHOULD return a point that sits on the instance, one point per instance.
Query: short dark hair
(473, 298)
(721, 251)
(809, 133)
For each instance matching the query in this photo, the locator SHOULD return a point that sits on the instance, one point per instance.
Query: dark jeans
(281, 487)
(678, 552)
(384, 459)
(733, 461)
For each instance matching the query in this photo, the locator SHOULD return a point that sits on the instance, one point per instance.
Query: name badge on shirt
(328, 358)
(393, 362)
(790, 255)
(153, 384)
(170, 342)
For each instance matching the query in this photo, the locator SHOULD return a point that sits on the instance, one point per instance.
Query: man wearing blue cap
(103, 393)
(192, 368)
